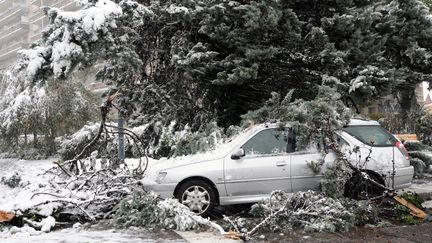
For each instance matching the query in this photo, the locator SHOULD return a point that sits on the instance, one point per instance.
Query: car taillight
(402, 148)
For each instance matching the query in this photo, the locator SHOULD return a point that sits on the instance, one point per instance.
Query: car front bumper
(163, 190)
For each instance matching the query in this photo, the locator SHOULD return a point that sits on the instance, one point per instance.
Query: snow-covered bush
(21, 152)
(146, 209)
(312, 211)
(420, 157)
(424, 126)
(12, 181)
(419, 167)
(364, 211)
(416, 146)
(29, 153)
(314, 121)
(425, 156)
(335, 177)
(177, 143)
(71, 145)
(32, 118)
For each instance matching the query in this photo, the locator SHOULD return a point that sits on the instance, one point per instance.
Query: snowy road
(32, 180)
(102, 232)
(93, 234)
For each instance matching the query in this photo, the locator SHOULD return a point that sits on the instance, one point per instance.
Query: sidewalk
(424, 190)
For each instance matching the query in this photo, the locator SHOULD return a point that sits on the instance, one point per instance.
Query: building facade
(21, 23)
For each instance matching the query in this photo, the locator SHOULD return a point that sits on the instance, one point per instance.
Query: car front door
(264, 167)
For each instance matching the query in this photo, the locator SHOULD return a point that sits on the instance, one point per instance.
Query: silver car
(264, 158)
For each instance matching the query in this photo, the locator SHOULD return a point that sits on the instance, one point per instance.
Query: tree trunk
(407, 98)
(35, 139)
(25, 137)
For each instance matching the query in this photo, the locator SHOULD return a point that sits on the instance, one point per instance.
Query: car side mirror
(238, 154)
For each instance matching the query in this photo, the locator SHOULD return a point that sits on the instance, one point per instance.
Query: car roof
(353, 122)
(362, 122)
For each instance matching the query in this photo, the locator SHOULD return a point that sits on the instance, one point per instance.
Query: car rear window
(371, 135)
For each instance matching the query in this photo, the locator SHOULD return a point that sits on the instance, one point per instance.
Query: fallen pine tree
(77, 192)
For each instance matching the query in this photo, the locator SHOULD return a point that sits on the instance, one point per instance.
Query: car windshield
(371, 135)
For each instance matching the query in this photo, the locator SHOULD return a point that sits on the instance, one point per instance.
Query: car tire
(198, 196)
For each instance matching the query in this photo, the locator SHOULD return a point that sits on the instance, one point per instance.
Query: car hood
(155, 166)
(222, 150)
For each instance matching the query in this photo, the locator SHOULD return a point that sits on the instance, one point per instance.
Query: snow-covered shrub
(420, 157)
(419, 167)
(175, 215)
(187, 142)
(72, 145)
(195, 142)
(239, 223)
(312, 211)
(335, 177)
(32, 153)
(138, 209)
(416, 146)
(31, 119)
(364, 212)
(12, 181)
(314, 121)
(26, 152)
(423, 126)
(146, 209)
(425, 156)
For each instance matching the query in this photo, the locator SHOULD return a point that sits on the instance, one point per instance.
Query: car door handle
(281, 163)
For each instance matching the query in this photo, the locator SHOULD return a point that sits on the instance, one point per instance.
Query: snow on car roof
(362, 122)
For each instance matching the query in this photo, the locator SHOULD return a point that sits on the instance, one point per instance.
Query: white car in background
(264, 158)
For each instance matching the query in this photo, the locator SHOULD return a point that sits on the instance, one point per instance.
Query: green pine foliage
(420, 157)
(146, 209)
(335, 178)
(313, 212)
(194, 62)
(12, 181)
(314, 121)
(419, 167)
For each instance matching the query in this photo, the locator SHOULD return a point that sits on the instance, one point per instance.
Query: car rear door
(302, 176)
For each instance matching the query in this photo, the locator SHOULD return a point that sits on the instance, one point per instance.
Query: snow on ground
(32, 180)
(94, 234)
(420, 188)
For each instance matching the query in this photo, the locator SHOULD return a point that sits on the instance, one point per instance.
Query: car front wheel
(198, 196)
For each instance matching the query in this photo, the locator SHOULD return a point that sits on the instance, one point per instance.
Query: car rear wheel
(359, 188)
(198, 196)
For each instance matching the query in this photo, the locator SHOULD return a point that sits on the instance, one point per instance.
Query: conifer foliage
(198, 61)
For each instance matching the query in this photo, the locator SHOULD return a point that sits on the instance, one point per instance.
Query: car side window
(269, 141)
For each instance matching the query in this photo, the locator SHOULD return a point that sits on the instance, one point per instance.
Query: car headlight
(161, 176)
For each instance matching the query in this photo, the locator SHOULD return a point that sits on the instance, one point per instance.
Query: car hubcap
(196, 198)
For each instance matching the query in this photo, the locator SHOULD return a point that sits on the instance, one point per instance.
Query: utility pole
(121, 147)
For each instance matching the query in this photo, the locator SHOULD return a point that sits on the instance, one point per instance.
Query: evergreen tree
(193, 62)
